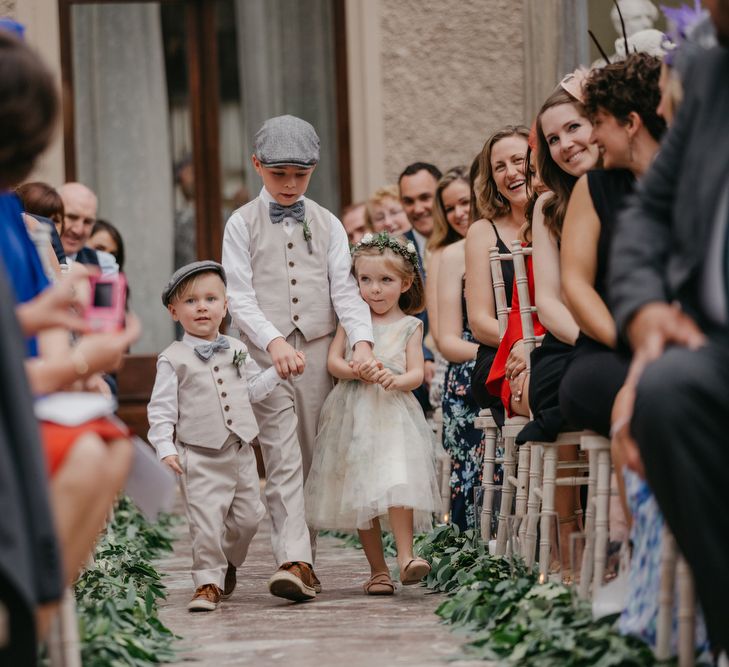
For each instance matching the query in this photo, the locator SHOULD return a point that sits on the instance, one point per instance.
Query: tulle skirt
(374, 450)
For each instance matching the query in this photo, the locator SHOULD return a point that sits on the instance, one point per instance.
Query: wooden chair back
(497, 281)
(526, 309)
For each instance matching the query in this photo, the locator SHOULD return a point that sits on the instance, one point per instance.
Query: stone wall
(452, 72)
(7, 8)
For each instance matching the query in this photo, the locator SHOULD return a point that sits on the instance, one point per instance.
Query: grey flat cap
(287, 140)
(185, 272)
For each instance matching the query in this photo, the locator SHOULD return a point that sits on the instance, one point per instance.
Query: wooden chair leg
(548, 487)
(602, 508)
(664, 622)
(529, 543)
(522, 489)
(588, 555)
(686, 615)
(507, 495)
(487, 480)
(63, 642)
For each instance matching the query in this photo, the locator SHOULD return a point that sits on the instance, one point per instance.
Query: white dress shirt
(163, 407)
(352, 312)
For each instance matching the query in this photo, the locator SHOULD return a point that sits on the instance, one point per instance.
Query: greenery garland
(117, 595)
(513, 619)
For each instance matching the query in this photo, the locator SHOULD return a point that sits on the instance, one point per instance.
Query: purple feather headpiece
(681, 20)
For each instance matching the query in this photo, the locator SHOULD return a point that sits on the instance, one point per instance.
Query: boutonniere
(239, 358)
(307, 235)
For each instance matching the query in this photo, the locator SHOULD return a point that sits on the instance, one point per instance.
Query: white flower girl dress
(374, 449)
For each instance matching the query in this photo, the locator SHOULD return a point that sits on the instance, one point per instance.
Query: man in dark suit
(417, 185)
(80, 205)
(668, 285)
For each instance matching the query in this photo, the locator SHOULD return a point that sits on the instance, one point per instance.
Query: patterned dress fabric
(374, 450)
(461, 439)
(640, 614)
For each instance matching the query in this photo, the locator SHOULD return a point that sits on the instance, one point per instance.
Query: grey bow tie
(207, 350)
(278, 212)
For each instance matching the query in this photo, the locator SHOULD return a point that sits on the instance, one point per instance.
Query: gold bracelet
(80, 365)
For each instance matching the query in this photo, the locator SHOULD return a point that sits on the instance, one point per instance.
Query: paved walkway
(342, 627)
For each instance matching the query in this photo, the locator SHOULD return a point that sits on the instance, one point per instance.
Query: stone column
(555, 43)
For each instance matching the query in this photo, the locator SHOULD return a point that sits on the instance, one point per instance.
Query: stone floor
(342, 627)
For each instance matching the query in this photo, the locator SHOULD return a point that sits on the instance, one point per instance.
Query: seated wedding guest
(105, 237)
(668, 289)
(461, 439)
(450, 222)
(44, 203)
(31, 576)
(85, 481)
(385, 212)
(564, 153)
(501, 197)
(80, 205)
(354, 221)
(622, 99)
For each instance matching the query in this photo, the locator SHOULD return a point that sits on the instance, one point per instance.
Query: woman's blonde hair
(412, 300)
(443, 234)
(491, 204)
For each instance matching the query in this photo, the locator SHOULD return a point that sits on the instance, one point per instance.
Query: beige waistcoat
(291, 285)
(212, 400)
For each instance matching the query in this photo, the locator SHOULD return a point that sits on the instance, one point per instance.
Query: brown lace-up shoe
(293, 581)
(206, 598)
(230, 581)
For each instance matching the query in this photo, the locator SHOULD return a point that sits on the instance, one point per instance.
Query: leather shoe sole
(283, 584)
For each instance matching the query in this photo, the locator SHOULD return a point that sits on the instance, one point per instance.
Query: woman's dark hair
(41, 199)
(28, 109)
(106, 226)
(532, 195)
(625, 86)
(490, 202)
(558, 181)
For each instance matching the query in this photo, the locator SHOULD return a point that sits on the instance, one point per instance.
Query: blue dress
(461, 439)
(18, 253)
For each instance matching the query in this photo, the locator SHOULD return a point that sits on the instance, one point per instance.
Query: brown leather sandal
(414, 571)
(379, 584)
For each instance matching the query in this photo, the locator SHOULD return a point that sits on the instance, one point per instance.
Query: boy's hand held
(287, 360)
(173, 463)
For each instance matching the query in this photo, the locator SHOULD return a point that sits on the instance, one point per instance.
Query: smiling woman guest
(501, 199)
(621, 99)
(501, 194)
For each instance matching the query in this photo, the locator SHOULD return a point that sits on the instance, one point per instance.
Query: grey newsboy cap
(287, 140)
(185, 272)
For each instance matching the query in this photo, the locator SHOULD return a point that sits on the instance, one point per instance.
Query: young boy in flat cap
(290, 279)
(201, 424)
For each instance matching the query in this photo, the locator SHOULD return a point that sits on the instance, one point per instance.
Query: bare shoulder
(481, 233)
(453, 256)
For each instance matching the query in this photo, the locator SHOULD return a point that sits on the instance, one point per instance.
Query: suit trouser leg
(246, 510)
(208, 488)
(310, 391)
(681, 422)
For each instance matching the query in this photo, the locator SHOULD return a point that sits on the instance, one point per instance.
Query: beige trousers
(287, 422)
(223, 506)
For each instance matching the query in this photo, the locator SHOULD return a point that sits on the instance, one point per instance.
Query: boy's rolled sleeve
(162, 410)
(352, 311)
(260, 383)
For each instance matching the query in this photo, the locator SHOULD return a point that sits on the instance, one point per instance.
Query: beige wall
(430, 80)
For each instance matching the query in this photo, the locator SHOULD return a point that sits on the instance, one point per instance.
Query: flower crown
(384, 240)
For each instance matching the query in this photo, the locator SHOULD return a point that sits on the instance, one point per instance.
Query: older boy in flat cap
(288, 264)
(201, 424)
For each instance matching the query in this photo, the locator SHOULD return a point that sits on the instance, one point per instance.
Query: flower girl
(374, 456)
